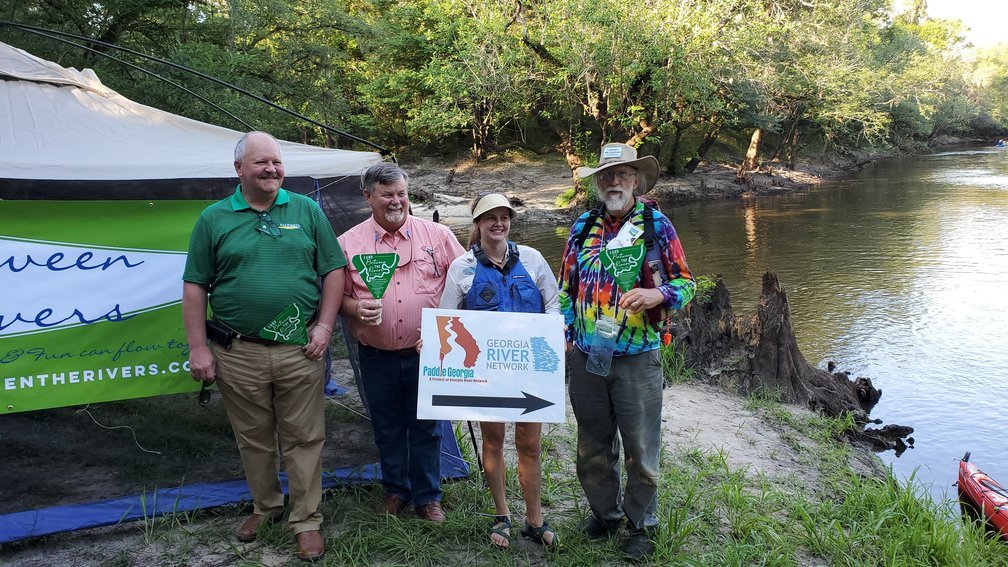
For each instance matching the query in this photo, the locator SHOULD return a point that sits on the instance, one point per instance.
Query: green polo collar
(238, 202)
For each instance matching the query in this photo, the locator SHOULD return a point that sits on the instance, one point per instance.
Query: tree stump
(777, 364)
(711, 331)
(762, 355)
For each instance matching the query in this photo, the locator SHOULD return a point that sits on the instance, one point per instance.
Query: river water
(898, 273)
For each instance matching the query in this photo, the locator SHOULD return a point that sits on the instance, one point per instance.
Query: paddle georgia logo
(508, 354)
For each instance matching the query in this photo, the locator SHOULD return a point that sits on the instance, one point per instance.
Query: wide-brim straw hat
(489, 202)
(614, 154)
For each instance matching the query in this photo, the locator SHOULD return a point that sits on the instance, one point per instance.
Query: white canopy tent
(63, 124)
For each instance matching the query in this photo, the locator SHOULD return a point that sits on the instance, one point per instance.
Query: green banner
(624, 264)
(92, 301)
(376, 270)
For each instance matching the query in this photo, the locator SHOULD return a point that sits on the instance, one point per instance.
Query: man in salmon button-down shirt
(387, 331)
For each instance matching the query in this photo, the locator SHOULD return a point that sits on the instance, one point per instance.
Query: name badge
(626, 237)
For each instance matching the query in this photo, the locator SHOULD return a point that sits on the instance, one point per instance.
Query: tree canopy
(673, 77)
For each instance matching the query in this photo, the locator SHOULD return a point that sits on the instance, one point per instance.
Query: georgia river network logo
(508, 354)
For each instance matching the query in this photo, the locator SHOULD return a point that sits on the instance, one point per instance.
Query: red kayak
(982, 497)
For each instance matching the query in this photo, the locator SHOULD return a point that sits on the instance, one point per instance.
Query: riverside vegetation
(775, 79)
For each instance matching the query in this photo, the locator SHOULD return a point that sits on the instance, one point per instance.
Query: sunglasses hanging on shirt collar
(266, 225)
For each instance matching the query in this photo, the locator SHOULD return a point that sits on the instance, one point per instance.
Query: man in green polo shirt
(257, 257)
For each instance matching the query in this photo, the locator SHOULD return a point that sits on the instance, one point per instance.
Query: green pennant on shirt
(287, 327)
(624, 264)
(376, 270)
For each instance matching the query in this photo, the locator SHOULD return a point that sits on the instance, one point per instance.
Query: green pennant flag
(624, 264)
(376, 270)
(287, 327)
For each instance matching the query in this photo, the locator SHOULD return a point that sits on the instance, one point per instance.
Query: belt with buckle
(258, 340)
(402, 353)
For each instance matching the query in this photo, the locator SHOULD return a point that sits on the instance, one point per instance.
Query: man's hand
(318, 342)
(369, 311)
(202, 364)
(639, 299)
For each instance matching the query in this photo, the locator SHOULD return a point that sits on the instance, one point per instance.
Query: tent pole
(49, 33)
(472, 435)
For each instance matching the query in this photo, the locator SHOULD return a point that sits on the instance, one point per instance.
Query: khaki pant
(271, 392)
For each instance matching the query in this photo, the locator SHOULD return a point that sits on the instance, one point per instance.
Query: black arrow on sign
(529, 402)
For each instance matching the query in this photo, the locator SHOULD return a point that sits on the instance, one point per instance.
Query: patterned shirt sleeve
(568, 278)
(679, 290)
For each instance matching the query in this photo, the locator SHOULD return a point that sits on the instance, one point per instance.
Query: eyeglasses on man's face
(608, 175)
(266, 225)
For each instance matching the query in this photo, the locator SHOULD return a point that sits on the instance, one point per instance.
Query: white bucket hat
(614, 154)
(489, 202)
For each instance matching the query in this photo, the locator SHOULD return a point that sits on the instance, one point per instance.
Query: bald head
(239, 151)
(259, 167)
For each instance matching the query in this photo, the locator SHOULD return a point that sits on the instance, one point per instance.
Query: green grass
(567, 197)
(704, 287)
(674, 365)
(711, 514)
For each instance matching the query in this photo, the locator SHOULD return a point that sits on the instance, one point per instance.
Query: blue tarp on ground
(34, 523)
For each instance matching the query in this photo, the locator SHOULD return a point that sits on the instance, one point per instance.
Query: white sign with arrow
(490, 366)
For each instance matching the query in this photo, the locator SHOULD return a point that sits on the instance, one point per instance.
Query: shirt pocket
(428, 275)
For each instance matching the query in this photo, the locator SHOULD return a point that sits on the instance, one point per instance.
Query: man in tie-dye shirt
(621, 394)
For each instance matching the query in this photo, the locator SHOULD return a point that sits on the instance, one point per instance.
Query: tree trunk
(712, 333)
(646, 130)
(566, 147)
(792, 137)
(481, 129)
(705, 146)
(792, 149)
(673, 166)
(749, 163)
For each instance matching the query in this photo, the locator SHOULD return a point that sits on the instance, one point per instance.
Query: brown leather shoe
(393, 505)
(431, 512)
(248, 530)
(310, 545)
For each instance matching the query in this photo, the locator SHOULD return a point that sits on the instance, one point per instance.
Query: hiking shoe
(638, 546)
(249, 529)
(431, 511)
(597, 528)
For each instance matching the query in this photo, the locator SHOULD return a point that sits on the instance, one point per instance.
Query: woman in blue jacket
(498, 275)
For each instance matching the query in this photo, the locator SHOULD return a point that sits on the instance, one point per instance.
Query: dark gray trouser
(626, 404)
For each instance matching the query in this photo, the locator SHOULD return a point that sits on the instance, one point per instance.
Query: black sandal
(501, 523)
(537, 535)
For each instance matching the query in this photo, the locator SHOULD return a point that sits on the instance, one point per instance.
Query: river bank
(535, 182)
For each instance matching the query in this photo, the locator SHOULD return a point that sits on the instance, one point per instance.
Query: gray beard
(395, 217)
(617, 203)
